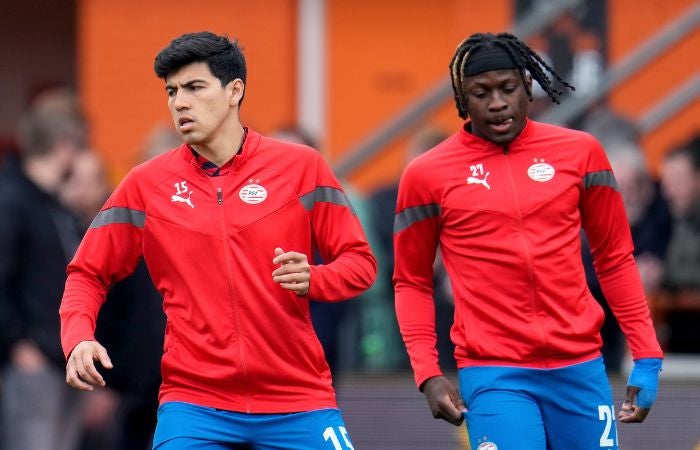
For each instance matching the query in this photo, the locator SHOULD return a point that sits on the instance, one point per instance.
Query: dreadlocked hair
(525, 59)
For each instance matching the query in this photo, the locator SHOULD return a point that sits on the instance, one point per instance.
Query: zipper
(526, 250)
(239, 330)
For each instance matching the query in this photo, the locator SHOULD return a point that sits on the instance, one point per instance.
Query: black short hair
(223, 56)
(525, 60)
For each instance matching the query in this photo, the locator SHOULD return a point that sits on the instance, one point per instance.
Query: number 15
(329, 433)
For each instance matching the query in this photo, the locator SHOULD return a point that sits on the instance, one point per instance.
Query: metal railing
(570, 109)
(537, 20)
(573, 106)
(670, 105)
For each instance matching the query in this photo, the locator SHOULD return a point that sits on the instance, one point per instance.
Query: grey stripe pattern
(600, 178)
(326, 194)
(414, 214)
(119, 215)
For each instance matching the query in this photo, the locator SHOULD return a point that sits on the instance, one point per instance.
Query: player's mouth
(501, 126)
(185, 123)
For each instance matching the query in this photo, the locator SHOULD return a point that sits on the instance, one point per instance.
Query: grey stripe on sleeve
(119, 215)
(414, 214)
(326, 194)
(601, 178)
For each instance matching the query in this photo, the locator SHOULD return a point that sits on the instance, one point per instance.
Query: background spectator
(38, 236)
(680, 180)
(649, 221)
(383, 202)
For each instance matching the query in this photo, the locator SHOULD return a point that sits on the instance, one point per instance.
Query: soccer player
(505, 198)
(226, 224)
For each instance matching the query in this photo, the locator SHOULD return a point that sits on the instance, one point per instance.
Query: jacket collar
(250, 145)
(471, 140)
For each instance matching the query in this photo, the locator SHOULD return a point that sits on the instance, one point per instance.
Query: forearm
(82, 299)
(348, 276)
(11, 326)
(415, 311)
(622, 287)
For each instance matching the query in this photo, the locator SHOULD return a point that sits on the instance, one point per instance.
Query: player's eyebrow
(189, 83)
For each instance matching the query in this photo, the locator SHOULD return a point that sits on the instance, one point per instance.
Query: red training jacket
(508, 222)
(235, 340)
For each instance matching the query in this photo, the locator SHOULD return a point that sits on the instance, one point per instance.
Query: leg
(578, 409)
(191, 444)
(136, 422)
(323, 429)
(506, 418)
(184, 426)
(39, 410)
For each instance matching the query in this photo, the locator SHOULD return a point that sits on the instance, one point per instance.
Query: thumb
(459, 404)
(278, 251)
(103, 358)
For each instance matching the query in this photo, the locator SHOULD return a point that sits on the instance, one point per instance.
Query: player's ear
(528, 84)
(237, 88)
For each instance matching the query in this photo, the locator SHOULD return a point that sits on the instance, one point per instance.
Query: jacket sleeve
(11, 325)
(416, 234)
(350, 267)
(605, 222)
(108, 253)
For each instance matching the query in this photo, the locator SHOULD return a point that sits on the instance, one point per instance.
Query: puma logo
(474, 180)
(176, 198)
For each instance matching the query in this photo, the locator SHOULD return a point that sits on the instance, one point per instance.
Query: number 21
(606, 412)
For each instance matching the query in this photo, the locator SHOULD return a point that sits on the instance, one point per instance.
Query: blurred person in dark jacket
(123, 416)
(383, 203)
(38, 237)
(680, 181)
(650, 224)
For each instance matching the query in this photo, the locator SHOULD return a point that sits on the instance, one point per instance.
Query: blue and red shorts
(514, 408)
(186, 426)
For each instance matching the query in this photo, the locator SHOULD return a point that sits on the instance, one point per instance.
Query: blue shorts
(513, 408)
(186, 426)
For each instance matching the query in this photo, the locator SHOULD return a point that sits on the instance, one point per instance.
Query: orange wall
(382, 56)
(118, 41)
(631, 23)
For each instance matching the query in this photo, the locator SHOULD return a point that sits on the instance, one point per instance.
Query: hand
(81, 372)
(99, 409)
(642, 387)
(294, 272)
(27, 357)
(444, 400)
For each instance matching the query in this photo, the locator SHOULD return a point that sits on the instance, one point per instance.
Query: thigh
(184, 425)
(500, 415)
(322, 429)
(578, 409)
(191, 444)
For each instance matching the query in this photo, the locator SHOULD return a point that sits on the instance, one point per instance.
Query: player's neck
(224, 145)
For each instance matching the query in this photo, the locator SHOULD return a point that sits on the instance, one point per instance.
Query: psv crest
(540, 171)
(253, 193)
